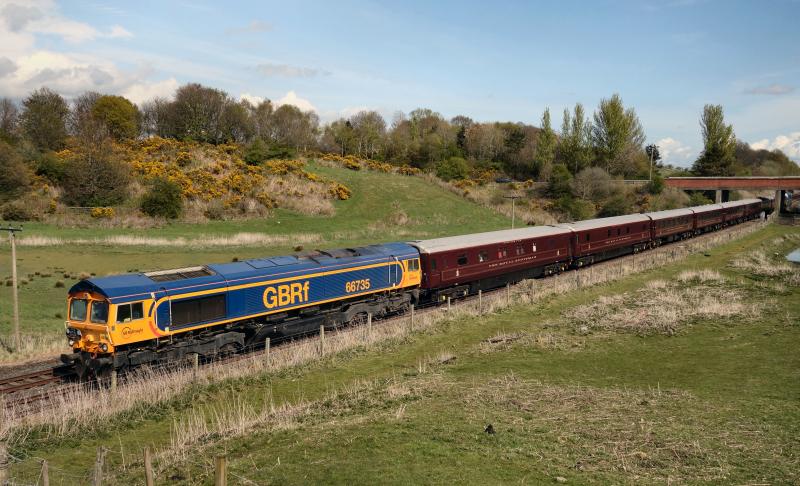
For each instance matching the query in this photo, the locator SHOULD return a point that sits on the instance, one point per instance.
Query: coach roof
(669, 213)
(489, 238)
(591, 224)
(742, 202)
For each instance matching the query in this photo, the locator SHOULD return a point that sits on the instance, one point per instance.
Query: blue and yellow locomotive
(127, 320)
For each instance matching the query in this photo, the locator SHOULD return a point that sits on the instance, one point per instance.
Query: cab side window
(413, 265)
(130, 312)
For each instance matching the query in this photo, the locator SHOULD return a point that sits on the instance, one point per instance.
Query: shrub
(577, 209)
(559, 183)
(340, 191)
(616, 206)
(452, 168)
(120, 116)
(17, 211)
(163, 199)
(697, 198)
(256, 153)
(14, 177)
(656, 185)
(96, 179)
(51, 167)
(102, 213)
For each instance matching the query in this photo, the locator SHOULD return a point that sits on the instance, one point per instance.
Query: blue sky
(486, 60)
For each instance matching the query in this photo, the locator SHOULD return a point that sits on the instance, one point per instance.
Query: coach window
(462, 259)
(129, 312)
(533, 247)
(99, 312)
(588, 236)
(619, 231)
(433, 264)
(627, 230)
(609, 233)
(520, 250)
(483, 255)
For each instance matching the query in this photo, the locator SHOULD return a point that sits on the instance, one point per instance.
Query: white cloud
(119, 32)
(788, 144)
(675, 152)
(291, 98)
(145, 91)
(252, 99)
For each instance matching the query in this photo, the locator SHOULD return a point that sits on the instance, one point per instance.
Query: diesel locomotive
(124, 321)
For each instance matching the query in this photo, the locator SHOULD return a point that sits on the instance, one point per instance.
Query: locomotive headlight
(104, 347)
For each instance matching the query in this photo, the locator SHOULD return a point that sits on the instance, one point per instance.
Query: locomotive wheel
(358, 320)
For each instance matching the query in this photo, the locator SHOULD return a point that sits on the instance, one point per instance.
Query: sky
(491, 61)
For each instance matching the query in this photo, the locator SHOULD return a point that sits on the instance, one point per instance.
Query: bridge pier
(722, 195)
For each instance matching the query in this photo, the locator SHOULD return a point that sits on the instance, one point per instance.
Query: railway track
(13, 388)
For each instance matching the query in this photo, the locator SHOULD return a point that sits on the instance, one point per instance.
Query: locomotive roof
(480, 239)
(670, 213)
(132, 285)
(591, 224)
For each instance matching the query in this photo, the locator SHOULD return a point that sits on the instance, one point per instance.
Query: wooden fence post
(195, 364)
(480, 302)
(113, 381)
(4, 463)
(148, 468)
(45, 473)
(412, 318)
(98, 466)
(220, 471)
(508, 294)
(267, 350)
(322, 340)
(448, 304)
(369, 322)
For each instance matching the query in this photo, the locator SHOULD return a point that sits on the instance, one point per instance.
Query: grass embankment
(384, 207)
(573, 386)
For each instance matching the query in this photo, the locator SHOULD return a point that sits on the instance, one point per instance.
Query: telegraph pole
(513, 198)
(11, 239)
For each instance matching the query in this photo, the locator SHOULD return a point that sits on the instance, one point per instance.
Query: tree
(592, 183)
(369, 128)
(158, 118)
(9, 119)
(719, 144)
(118, 115)
(617, 136)
(14, 177)
(560, 182)
(452, 168)
(44, 119)
(198, 112)
(546, 146)
(575, 149)
(163, 200)
(81, 123)
(95, 178)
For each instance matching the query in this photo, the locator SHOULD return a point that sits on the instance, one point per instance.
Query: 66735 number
(357, 285)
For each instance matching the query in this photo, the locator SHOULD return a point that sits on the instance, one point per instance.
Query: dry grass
(759, 263)
(34, 348)
(646, 435)
(663, 307)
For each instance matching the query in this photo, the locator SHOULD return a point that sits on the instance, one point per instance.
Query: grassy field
(384, 207)
(700, 383)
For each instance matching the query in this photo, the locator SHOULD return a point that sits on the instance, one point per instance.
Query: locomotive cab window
(99, 312)
(77, 309)
(462, 259)
(130, 312)
(413, 265)
(483, 255)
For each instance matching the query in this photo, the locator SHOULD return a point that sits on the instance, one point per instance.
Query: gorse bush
(452, 168)
(162, 200)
